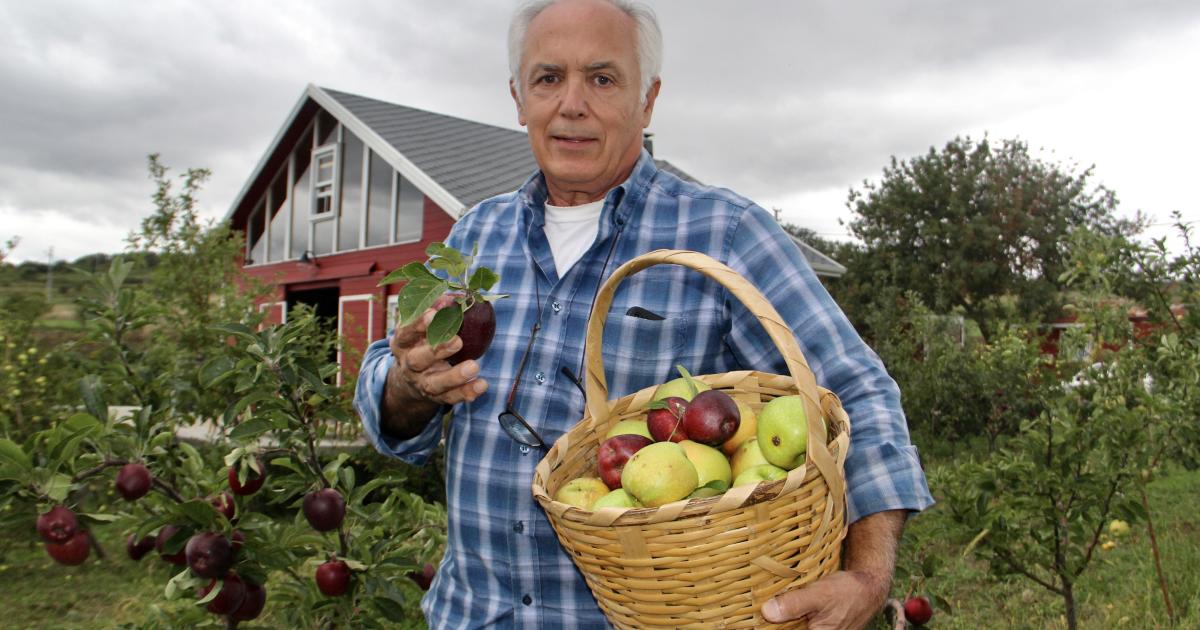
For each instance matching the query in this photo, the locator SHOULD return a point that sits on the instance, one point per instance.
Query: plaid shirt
(503, 564)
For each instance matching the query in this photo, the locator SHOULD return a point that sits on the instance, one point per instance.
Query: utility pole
(50, 274)
(776, 210)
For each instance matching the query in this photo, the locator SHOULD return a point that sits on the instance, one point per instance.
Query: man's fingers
(421, 357)
(791, 605)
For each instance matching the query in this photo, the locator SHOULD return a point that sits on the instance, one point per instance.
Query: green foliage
(423, 287)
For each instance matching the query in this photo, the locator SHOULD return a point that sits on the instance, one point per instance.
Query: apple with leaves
(133, 481)
(254, 481)
(333, 577)
(665, 419)
(160, 545)
(230, 598)
(209, 554)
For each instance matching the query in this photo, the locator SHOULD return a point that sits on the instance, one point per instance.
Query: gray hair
(648, 36)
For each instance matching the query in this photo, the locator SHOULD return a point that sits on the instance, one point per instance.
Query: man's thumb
(789, 605)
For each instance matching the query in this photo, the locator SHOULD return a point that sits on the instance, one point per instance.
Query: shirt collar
(619, 203)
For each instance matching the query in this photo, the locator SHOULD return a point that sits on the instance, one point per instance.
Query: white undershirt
(571, 230)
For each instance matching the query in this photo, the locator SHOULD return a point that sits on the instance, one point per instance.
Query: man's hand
(847, 599)
(421, 379)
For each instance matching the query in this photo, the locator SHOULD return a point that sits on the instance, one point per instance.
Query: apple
(711, 418)
(682, 387)
(253, 482)
(72, 552)
(783, 431)
(704, 492)
(747, 456)
(617, 498)
(160, 542)
(666, 423)
(333, 578)
(133, 481)
(225, 505)
(137, 549)
(712, 467)
(324, 509)
(236, 540)
(478, 328)
(765, 472)
(581, 492)
(1118, 528)
(424, 577)
(659, 474)
(230, 598)
(613, 453)
(918, 611)
(58, 525)
(209, 554)
(252, 604)
(747, 429)
(636, 427)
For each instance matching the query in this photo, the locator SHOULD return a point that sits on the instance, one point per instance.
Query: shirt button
(524, 450)
(527, 600)
(557, 306)
(540, 377)
(518, 527)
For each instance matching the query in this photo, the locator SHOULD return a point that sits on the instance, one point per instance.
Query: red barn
(352, 188)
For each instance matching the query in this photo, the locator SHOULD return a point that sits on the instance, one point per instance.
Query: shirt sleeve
(883, 470)
(368, 397)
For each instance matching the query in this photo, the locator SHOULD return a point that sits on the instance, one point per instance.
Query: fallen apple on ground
(659, 474)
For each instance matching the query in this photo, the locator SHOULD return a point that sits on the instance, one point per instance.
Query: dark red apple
(252, 605)
(253, 482)
(918, 611)
(57, 525)
(478, 328)
(231, 597)
(614, 452)
(74, 551)
(236, 540)
(333, 577)
(133, 481)
(324, 509)
(424, 577)
(209, 554)
(225, 505)
(711, 418)
(667, 423)
(165, 534)
(137, 549)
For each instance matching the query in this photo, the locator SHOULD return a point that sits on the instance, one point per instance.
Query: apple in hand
(783, 431)
(918, 611)
(72, 552)
(612, 455)
(712, 467)
(747, 456)
(617, 498)
(636, 427)
(666, 422)
(581, 492)
(133, 481)
(765, 472)
(333, 578)
(711, 418)
(747, 428)
(57, 525)
(659, 474)
(324, 509)
(478, 328)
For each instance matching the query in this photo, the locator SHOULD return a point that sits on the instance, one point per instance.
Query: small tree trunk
(1068, 593)
(1162, 578)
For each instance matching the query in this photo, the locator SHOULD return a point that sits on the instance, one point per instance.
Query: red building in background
(352, 188)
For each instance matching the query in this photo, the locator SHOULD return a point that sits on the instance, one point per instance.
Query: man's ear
(512, 89)
(651, 95)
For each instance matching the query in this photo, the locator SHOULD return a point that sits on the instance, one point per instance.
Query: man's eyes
(546, 79)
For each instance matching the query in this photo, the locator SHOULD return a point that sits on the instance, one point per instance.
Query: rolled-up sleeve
(368, 398)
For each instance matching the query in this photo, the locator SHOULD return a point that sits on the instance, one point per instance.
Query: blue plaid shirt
(503, 565)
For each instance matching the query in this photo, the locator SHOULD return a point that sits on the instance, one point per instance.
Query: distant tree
(976, 221)
(8, 246)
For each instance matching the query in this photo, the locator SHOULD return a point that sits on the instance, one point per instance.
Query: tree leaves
(444, 326)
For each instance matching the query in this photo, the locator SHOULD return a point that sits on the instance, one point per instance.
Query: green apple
(581, 492)
(680, 388)
(712, 466)
(766, 472)
(747, 428)
(659, 474)
(1118, 528)
(783, 431)
(747, 456)
(636, 427)
(704, 492)
(617, 498)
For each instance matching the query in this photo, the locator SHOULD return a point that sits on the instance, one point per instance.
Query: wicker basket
(708, 562)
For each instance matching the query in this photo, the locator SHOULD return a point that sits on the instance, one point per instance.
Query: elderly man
(585, 80)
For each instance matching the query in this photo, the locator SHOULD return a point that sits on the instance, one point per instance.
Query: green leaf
(91, 389)
(390, 609)
(250, 429)
(411, 271)
(198, 511)
(100, 518)
(216, 371)
(687, 377)
(444, 326)
(416, 297)
(240, 331)
(12, 454)
(483, 279)
(57, 487)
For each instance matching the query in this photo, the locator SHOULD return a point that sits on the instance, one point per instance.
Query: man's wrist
(403, 412)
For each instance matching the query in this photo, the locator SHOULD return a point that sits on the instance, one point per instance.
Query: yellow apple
(783, 431)
(1118, 528)
(636, 427)
(746, 430)
(659, 474)
(766, 472)
(680, 388)
(712, 467)
(747, 456)
(581, 492)
(617, 498)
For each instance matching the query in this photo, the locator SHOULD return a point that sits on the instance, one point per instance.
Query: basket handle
(596, 387)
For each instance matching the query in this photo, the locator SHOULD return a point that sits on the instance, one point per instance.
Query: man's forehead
(585, 37)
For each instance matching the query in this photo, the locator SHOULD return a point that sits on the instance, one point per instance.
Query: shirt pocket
(629, 337)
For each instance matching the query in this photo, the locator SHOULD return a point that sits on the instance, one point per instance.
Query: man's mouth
(572, 139)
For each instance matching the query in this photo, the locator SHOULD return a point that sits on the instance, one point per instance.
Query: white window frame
(329, 151)
(370, 299)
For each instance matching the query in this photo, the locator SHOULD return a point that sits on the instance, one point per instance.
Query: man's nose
(574, 99)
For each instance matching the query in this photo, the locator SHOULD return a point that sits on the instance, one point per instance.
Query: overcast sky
(789, 103)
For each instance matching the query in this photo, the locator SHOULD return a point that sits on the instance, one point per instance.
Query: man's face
(580, 98)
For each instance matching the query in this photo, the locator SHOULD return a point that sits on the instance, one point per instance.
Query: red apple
(667, 423)
(165, 534)
(137, 549)
(253, 482)
(236, 540)
(225, 505)
(209, 554)
(233, 593)
(74, 551)
(613, 453)
(918, 611)
(333, 577)
(324, 509)
(711, 418)
(133, 481)
(478, 328)
(252, 605)
(57, 525)
(424, 577)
